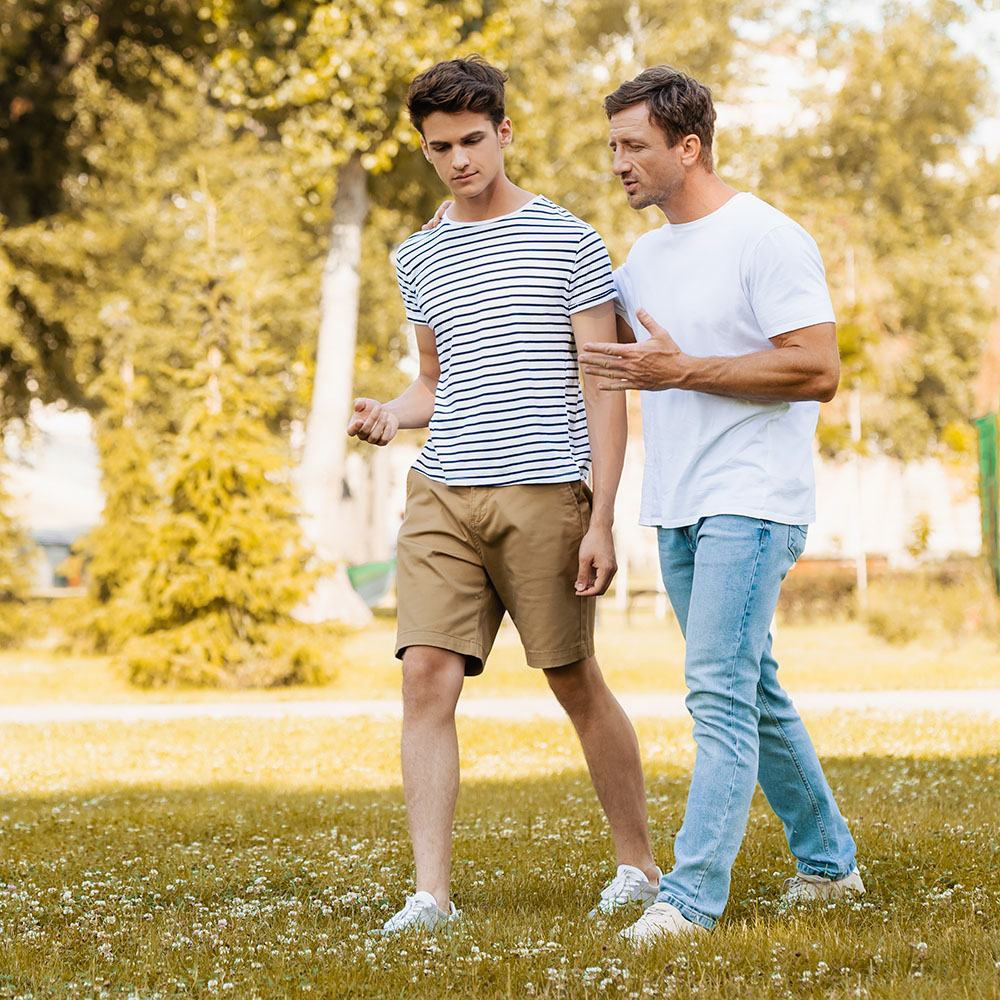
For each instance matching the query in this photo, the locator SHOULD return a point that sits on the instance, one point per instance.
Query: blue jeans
(723, 575)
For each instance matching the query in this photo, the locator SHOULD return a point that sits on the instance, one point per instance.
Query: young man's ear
(505, 131)
(424, 149)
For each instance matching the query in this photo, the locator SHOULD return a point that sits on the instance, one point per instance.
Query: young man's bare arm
(803, 365)
(377, 422)
(606, 423)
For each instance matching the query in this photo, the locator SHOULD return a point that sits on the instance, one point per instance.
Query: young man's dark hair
(678, 104)
(469, 84)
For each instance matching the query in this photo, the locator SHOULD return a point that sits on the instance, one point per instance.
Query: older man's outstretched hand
(657, 363)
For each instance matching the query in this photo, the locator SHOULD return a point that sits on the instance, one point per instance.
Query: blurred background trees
(125, 126)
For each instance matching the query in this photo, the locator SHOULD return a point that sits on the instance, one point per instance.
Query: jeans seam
(732, 715)
(813, 803)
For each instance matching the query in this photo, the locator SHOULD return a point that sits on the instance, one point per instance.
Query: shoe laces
(411, 905)
(619, 886)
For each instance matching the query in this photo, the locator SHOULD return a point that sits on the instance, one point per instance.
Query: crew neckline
(705, 219)
(495, 218)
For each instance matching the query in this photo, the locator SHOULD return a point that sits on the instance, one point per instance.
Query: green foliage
(811, 594)
(563, 58)
(117, 545)
(112, 271)
(218, 562)
(67, 69)
(920, 533)
(207, 652)
(947, 601)
(17, 553)
(889, 183)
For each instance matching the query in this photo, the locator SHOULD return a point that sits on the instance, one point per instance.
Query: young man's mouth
(464, 177)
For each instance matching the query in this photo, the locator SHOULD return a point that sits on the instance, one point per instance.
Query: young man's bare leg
(432, 682)
(612, 753)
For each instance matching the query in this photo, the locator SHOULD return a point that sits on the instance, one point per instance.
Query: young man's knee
(432, 677)
(578, 685)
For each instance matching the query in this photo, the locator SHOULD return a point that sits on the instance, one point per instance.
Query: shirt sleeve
(787, 282)
(591, 282)
(413, 311)
(624, 306)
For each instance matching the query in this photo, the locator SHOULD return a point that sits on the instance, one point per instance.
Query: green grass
(644, 655)
(256, 859)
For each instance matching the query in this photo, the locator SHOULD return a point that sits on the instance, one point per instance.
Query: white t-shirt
(498, 295)
(722, 286)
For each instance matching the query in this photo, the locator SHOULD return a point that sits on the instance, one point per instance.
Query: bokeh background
(199, 203)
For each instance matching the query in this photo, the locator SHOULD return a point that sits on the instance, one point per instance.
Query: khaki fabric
(468, 553)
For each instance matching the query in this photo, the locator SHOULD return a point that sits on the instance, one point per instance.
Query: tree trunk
(321, 474)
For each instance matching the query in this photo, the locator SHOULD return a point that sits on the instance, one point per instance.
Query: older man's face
(650, 170)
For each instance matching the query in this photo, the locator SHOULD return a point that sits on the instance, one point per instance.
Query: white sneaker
(659, 921)
(803, 888)
(420, 912)
(629, 886)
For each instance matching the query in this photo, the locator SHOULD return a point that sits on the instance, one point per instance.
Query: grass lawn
(236, 859)
(644, 655)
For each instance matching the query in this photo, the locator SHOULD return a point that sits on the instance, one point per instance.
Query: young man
(498, 516)
(737, 343)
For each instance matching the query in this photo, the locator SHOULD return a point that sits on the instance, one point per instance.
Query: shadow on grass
(935, 819)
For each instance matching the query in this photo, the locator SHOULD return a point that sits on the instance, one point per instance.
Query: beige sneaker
(803, 888)
(659, 921)
(629, 887)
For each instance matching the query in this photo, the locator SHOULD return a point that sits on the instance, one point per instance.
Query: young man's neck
(703, 193)
(500, 198)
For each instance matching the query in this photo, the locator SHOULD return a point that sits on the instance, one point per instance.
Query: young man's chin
(468, 188)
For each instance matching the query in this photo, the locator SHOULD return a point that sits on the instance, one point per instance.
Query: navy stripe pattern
(499, 295)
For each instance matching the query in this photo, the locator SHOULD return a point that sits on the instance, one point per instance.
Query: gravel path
(976, 701)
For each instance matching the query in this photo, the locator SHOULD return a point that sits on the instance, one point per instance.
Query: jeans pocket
(797, 539)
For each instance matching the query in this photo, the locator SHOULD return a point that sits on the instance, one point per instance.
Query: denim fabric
(723, 575)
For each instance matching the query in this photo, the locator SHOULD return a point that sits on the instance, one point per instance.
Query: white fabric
(498, 295)
(722, 286)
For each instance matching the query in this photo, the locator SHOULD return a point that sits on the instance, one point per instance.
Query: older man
(736, 347)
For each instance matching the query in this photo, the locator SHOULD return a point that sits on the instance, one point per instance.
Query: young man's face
(652, 172)
(466, 150)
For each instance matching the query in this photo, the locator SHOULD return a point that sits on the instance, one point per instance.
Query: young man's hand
(438, 215)
(373, 422)
(597, 566)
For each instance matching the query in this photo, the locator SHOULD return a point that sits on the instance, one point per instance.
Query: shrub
(207, 652)
(810, 593)
(948, 599)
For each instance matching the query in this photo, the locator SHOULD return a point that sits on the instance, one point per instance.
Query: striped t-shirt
(498, 295)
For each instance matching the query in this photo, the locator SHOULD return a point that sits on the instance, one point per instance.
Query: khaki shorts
(468, 553)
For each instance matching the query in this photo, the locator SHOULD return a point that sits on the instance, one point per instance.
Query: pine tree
(225, 562)
(116, 549)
